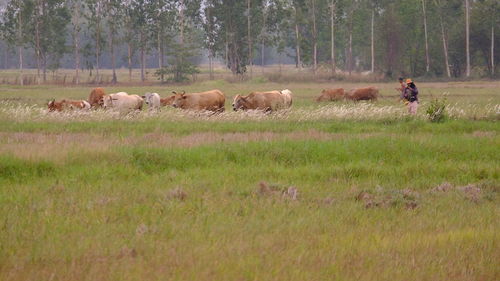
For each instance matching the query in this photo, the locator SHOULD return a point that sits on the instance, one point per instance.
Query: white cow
(287, 96)
(122, 102)
(152, 100)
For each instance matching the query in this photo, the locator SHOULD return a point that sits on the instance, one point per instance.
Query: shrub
(437, 110)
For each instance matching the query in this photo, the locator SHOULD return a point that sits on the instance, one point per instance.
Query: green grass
(99, 200)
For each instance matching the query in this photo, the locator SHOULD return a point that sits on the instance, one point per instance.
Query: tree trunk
(21, 76)
(427, 57)
(297, 46)
(226, 54)
(280, 62)
(467, 37)
(160, 53)
(373, 41)
(263, 43)
(332, 23)
(76, 42)
(20, 35)
(262, 49)
(445, 49)
(298, 61)
(113, 58)
(129, 47)
(492, 50)
(5, 61)
(143, 78)
(37, 41)
(349, 50)
(315, 38)
(44, 61)
(181, 19)
(97, 51)
(210, 65)
(250, 61)
(210, 47)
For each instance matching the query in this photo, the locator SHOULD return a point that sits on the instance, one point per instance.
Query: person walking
(401, 88)
(411, 95)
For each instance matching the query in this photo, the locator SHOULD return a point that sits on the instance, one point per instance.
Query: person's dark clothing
(411, 93)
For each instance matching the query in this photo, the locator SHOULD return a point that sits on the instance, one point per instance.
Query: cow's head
(167, 101)
(240, 103)
(179, 100)
(107, 101)
(147, 98)
(54, 106)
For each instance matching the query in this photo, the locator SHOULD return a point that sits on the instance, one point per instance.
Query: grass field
(320, 192)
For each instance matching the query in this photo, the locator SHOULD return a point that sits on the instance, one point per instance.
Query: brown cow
(167, 101)
(211, 100)
(266, 101)
(369, 93)
(54, 105)
(96, 97)
(331, 95)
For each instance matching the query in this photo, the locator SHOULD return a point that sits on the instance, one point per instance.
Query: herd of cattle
(213, 100)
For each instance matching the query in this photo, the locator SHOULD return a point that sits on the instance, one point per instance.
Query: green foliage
(436, 111)
(181, 65)
(12, 168)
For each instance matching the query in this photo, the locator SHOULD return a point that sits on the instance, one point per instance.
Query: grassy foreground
(194, 198)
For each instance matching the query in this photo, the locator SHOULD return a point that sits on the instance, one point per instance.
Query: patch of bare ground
(52, 146)
(274, 191)
(204, 138)
(381, 198)
(461, 85)
(56, 146)
(473, 192)
(176, 194)
(484, 134)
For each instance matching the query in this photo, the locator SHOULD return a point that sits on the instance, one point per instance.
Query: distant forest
(431, 38)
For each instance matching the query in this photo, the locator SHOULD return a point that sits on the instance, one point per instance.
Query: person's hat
(408, 81)
(401, 79)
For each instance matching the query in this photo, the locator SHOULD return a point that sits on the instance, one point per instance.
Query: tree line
(434, 38)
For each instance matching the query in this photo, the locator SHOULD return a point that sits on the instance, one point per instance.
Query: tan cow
(331, 95)
(211, 100)
(54, 105)
(123, 102)
(369, 93)
(266, 101)
(95, 97)
(287, 96)
(167, 101)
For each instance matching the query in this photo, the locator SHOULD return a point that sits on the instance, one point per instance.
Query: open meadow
(330, 191)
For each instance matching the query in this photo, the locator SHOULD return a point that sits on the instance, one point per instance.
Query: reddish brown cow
(96, 97)
(331, 95)
(54, 105)
(266, 101)
(211, 100)
(369, 93)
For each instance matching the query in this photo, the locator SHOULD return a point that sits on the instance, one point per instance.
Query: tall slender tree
(16, 19)
(76, 8)
(333, 18)
(95, 15)
(441, 14)
(467, 37)
(114, 11)
(51, 19)
(211, 31)
(314, 33)
(426, 37)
